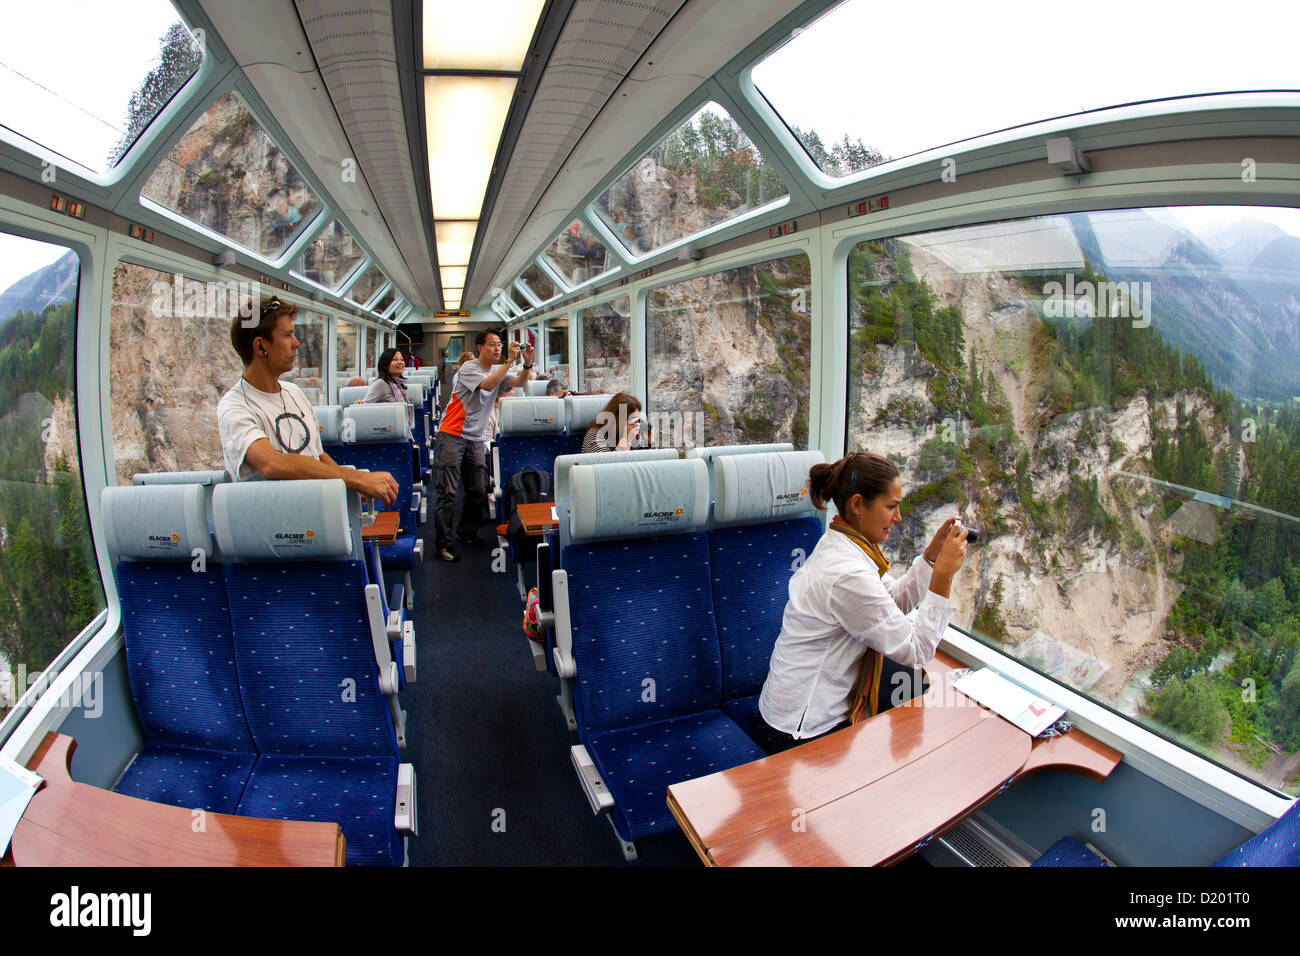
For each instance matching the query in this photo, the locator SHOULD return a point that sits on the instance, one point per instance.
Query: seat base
(211, 780)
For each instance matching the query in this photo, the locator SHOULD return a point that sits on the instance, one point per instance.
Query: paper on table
(17, 787)
(554, 516)
(1026, 710)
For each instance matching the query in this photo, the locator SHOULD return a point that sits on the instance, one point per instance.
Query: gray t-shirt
(470, 407)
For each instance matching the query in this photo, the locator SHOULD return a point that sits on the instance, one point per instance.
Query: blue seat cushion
(1276, 845)
(357, 793)
(399, 556)
(211, 780)
(638, 764)
(1068, 851)
(743, 711)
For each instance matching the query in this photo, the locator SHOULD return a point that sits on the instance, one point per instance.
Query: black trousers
(774, 741)
(455, 460)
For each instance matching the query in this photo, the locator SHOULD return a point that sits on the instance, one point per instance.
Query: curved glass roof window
(58, 87)
(364, 289)
(847, 123)
(577, 255)
(330, 258)
(227, 176)
(539, 283)
(703, 173)
(386, 301)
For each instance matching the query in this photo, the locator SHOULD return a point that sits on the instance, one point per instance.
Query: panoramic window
(227, 175)
(330, 258)
(729, 356)
(345, 355)
(367, 284)
(847, 125)
(49, 577)
(556, 360)
(538, 283)
(578, 255)
(385, 301)
(170, 361)
(1110, 397)
(371, 338)
(309, 373)
(59, 90)
(703, 173)
(605, 359)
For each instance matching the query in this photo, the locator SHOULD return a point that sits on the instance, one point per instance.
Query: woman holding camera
(844, 615)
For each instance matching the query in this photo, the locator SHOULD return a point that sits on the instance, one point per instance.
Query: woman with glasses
(267, 426)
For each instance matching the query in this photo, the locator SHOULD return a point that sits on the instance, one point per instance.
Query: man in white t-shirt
(268, 427)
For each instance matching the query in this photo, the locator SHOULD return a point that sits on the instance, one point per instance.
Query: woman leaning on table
(844, 613)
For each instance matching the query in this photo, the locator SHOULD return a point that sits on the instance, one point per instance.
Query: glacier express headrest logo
(164, 540)
(790, 498)
(292, 536)
(650, 518)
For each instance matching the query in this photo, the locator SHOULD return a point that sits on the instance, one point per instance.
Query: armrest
(496, 471)
(593, 788)
(408, 651)
(388, 682)
(545, 588)
(415, 501)
(405, 817)
(563, 652)
(395, 616)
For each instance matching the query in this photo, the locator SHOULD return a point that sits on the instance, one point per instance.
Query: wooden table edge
(692, 837)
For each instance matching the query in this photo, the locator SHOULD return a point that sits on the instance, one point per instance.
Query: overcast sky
(903, 77)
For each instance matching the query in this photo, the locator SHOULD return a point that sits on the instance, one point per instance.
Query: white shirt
(839, 606)
(246, 414)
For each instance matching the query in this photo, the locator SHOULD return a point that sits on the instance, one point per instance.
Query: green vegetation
(179, 58)
(49, 589)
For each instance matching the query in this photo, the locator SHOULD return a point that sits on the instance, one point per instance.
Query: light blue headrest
(351, 393)
(164, 522)
(180, 478)
(634, 498)
(535, 387)
(764, 487)
(329, 418)
(275, 520)
(532, 416)
(425, 377)
(416, 391)
(583, 410)
(384, 421)
(564, 463)
(711, 454)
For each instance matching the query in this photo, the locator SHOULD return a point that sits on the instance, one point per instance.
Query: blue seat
(179, 648)
(532, 436)
(762, 525)
(1278, 844)
(316, 676)
(1068, 851)
(635, 631)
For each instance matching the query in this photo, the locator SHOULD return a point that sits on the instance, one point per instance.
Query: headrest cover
(712, 454)
(565, 463)
(767, 487)
(532, 416)
(330, 420)
(165, 522)
(180, 478)
(583, 410)
(352, 393)
(416, 391)
(635, 498)
(425, 377)
(536, 387)
(278, 520)
(383, 421)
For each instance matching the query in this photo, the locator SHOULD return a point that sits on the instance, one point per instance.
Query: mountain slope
(51, 285)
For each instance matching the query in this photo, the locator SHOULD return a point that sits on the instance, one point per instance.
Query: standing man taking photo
(268, 427)
(459, 457)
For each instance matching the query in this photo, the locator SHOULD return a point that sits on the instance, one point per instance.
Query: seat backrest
(329, 420)
(564, 466)
(583, 409)
(1278, 844)
(352, 393)
(535, 387)
(532, 436)
(176, 627)
(640, 607)
(377, 438)
(710, 455)
(303, 640)
(762, 526)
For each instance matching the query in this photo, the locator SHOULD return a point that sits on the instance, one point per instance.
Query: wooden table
(383, 530)
(869, 794)
(74, 824)
(537, 518)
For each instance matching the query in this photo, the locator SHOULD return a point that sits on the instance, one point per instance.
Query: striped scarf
(866, 690)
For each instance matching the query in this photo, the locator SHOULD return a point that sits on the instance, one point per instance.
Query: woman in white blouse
(844, 614)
